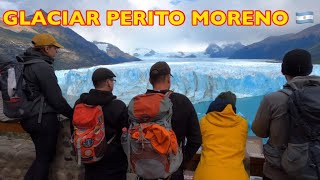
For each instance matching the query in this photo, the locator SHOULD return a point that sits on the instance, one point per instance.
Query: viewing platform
(17, 153)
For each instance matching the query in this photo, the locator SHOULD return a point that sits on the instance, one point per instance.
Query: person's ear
(108, 83)
(46, 49)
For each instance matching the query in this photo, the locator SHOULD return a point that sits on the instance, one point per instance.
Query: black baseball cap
(101, 74)
(160, 68)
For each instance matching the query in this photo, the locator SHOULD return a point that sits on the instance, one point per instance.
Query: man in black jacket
(113, 165)
(47, 98)
(184, 120)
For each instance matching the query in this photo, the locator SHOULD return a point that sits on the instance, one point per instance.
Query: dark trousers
(101, 173)
(44, 137)
(266, 178)
(100, 176)
(178, 175)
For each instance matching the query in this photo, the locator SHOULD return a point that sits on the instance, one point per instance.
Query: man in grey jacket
(272, 119)
(46, 97)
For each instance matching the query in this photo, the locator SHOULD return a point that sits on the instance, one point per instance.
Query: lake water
(247, 107)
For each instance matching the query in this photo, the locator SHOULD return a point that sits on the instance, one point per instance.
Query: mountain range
(114, 52)
(213, 50)
(275, 47)
(78, 52)
(149, 53)
(226, 50)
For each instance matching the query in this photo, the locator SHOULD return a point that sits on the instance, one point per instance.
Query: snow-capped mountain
(114, 52)
(226, 50)
(145, 52)
(213, 51)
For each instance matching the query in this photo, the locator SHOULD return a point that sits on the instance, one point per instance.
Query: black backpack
(14, 89)
(301, 159)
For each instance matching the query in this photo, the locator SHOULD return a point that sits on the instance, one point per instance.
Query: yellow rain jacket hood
(224, 137)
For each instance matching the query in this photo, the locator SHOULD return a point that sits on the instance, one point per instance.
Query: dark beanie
(297, 63)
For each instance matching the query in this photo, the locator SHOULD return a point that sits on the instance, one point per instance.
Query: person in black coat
(113, 165)
(184, 119)
(47, 102)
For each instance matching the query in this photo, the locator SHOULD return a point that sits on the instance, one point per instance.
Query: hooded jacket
(224, 137)
(272, 121)
(41, 80)
(115, 117)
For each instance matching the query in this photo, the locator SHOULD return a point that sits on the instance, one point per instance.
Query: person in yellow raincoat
(224, 135)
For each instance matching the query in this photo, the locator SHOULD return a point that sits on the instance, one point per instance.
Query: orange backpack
(89, 139)
(153, 151)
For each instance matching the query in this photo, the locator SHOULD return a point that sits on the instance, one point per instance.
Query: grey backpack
(153, 150)
(301, 158)
(14, 89)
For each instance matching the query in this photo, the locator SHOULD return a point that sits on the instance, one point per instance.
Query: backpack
(14, 89)
(153, 150)
(301, 158)
(89, 139)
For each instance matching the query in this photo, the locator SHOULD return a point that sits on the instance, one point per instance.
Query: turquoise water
(247, 107)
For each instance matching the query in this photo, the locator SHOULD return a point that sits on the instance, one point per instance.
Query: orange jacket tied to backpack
(163, 141)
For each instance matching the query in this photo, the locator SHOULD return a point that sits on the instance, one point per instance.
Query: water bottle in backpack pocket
(14, 88)
(124, 140)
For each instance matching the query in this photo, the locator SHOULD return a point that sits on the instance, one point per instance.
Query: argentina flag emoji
(304, 17)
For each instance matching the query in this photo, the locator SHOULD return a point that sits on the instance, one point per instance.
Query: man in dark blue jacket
(113, 165)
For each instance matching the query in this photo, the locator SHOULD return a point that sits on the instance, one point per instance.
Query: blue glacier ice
(199, 79)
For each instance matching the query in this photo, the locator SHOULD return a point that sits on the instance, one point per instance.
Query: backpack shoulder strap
(34, 61)
(297, 115)
(167, 94)
(286, 91)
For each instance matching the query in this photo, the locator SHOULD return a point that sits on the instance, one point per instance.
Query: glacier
(200, 79)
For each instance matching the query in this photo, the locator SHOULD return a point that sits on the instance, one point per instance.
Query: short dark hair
(98, 84)
(228, 96)
(157, 79)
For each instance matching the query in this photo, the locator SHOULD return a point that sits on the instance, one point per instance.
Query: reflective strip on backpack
(79, 151)
(11, 81)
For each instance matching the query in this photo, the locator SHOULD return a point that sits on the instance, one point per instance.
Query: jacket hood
(96, 97)
(31, 54)
(300, 81)
(219, 105)
(226, 118)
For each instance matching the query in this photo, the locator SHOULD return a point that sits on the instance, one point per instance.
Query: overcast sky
(173, 38)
